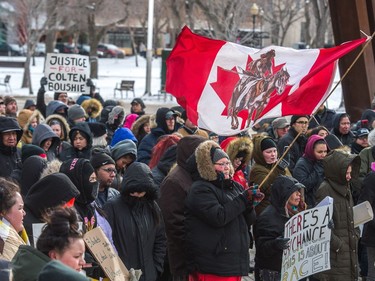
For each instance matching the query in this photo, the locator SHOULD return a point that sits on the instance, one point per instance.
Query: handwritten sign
(67, 73)
(308, 251)
(105, 255)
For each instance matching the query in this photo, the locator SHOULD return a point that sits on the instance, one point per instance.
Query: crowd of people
(174, 200)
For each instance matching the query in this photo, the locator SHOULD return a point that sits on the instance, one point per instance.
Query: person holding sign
(269, 227)
(340, 168)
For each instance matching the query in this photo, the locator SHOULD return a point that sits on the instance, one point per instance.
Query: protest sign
(105, 255)
(67, 73)
(309, 244)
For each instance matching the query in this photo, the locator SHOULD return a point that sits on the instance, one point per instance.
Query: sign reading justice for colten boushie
(67, 73)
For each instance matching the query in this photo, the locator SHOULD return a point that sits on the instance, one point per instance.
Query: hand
(283, 164)
(89, 83)
(331, 224)
(282, 243)
(43, 82)
(254, 195)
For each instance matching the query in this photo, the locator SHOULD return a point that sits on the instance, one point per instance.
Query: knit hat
(218, 154)
(98, 129)
(100, 158)
(139, 101)
(28, 104)
(28, 150)
(296, 117)
(267, 143)
(8, 100)
(57, 94)
(123, 148)
(75, 112)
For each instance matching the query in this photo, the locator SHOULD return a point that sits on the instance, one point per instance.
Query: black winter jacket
(368, 194)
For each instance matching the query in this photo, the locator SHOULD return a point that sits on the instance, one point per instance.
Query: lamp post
(254, 11)
(261, 13)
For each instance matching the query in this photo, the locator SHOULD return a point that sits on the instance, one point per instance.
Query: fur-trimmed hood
(205, 166)
(64, 124)
(233, 145)
(94, 105)
(26, 116)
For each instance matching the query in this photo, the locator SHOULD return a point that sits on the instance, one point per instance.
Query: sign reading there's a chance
(67, 73)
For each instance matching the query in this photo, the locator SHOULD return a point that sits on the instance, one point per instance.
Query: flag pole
(312, 116)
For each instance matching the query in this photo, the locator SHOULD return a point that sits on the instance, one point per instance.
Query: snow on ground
(112, 71)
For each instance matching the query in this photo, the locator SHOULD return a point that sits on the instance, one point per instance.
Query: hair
(61, 227)
(99, 141)
(319, 142)
(162, 145)
(316, 130)
(8, 191)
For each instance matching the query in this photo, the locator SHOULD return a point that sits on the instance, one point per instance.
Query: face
(63, 97)
(16, 213)
(147, 128)
(189, 124)
(106, 175)
(138, 194)
(295, 198)
(362, 141)
(344, 126)
(12, 107)
(136, 107)
(237, 162)
(34, 123)
(323, 133)
(73, 255)
(79, 142)
(223, 166)
(2, 107)
(320, 151)
(270, 155)
(123, 162)
(9, 138)
(282, 131)
(170, 123)
(82, 119)
(47, 144)
(348, 174)
(56, 128)
(301, 125)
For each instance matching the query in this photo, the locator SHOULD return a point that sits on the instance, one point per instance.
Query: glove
(283, 164)
(254, 195)
(331, 224)
(43, 82)
(89, 83)
(282, 243)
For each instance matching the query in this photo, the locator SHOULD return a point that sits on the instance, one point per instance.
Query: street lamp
(261, 14)
(254, 11)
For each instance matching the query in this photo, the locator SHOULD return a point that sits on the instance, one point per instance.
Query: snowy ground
(112, 71)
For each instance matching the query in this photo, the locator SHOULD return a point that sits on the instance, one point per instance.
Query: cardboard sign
(105, 255)
(309, 244)
(362, 213)
(67, 73)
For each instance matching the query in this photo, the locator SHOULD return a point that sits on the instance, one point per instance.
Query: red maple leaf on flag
(226, 83)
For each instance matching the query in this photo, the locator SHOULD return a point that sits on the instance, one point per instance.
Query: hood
(53, 106)
(160, 121)
(24, 118)
(26, 261)
(9, 124)
(48, 192)
(129, 120)
(122, 148)
(138, 124)
(281, 189)
(32, 168)
(234, 145)
(138, 178)
(186, 147)
(84, 128)
(336, 122)
(116, 116)
(336, 164)
(258, 153)
(309, 149)
(64, 125)
(93, 107)
(57, 271)
(43, 132)
(167, 159)
(203, 156)
(122, 134)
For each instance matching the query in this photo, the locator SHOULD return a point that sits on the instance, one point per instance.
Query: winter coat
(173, 191)
(260, 170)
(345, 139)
(368, 194)
(138, 233)
(233, 146)
(10, 157)
(43, 132)
(57, 271)
(270, 225)
(50, 191)
(166, 162)
(367, 156)
(344, 237)
(324, 118)
(218, 217)
(297, 149)
(27, 263)
(24, 118)
(11, 239)
(137, 127)
(105, 196)
(64, 125)
(309, 171)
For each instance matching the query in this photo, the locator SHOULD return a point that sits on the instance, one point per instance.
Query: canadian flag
(225, 87)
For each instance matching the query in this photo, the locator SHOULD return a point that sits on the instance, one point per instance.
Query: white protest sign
(67, 73)
(309, 244)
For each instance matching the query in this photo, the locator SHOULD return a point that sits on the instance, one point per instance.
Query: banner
(67, 73)
(309, 244)
(226, 87)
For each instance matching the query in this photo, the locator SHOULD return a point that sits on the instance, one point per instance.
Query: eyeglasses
(302, 122)
(223, 164)
(363, 138)
(109, 170)
(1, 102)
